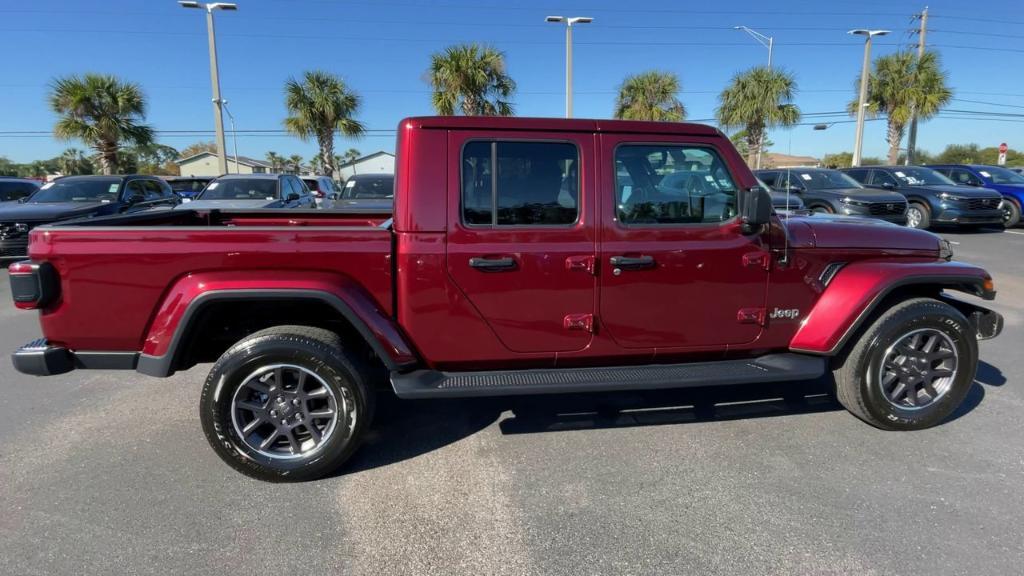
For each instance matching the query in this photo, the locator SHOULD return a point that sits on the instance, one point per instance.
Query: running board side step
(769, 368)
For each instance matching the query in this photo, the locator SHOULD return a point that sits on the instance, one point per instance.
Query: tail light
(34, 284)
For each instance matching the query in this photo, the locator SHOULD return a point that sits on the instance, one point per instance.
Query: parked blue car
(1007, 182)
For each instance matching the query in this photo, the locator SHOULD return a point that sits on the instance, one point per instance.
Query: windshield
(187, 185)
(1001, 175)
(91, 190)
(823, 179)
(370, 188)
(255, 189)
(913, 176)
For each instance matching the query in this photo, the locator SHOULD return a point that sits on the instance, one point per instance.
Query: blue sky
(382, 49)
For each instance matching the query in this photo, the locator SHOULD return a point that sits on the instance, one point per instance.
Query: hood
(853, 233)
(964, 191)
(229, 204)
(863, 194)
(49, 211)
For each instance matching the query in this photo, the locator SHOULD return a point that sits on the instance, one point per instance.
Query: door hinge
(580, 264)
(751, 316)
(759, 259)
(583, 322)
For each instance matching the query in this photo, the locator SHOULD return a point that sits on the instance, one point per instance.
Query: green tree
(837, 160)
(74, 161)
(920, 157)
(471, 79)
(155, 159)
(650, 96)
(294, 163)
(319, 105)
(899, 84)
(756, 100)
(276, 161)
(198, 148)
(102, 111)
(739, 140)
(8, 168)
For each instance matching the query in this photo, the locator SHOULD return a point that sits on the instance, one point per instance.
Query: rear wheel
(1011, 213)
(918, 216)
(911, 368)
(287, 403)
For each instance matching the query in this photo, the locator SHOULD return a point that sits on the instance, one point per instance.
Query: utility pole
(912, 137)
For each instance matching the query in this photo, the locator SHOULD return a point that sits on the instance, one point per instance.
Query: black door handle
(493, 264)
(632, 263)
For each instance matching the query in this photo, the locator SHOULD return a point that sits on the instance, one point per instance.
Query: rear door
(676, 271)
(521, 238)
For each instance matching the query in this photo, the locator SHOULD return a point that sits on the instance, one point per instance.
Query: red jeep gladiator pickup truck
(524, 256)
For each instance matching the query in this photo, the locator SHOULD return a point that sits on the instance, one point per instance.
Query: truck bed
(117, 267)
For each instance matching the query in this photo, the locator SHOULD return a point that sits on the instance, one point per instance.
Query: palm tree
(898, 85)
(650, 96)
(294, 163)
(756, 100)
(318, 105)
(73, 161)
(472, 79)
(102, 111)
(276, 161)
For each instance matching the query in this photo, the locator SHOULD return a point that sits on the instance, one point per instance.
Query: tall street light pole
(218, 104)
(769, 43)
(764, 40)
(569, 22)
(862, 100)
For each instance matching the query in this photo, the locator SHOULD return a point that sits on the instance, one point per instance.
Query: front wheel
(287, 403)
(918, 216)
(912, 367)
(1011, 213)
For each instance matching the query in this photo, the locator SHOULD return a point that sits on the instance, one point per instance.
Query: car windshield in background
(823, 179)
(921, 177)
(370, 188)
(91, 190)
(255, 189)
(1001, 175)
(187, 185)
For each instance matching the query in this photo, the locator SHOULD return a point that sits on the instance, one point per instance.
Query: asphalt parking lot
(109, 473)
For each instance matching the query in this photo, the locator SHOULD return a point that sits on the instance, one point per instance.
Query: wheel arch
(171, 341)
(861, 291)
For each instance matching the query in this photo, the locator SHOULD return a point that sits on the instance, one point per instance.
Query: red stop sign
(1003, 148)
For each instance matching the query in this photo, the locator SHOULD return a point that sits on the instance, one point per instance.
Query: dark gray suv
(832, 192)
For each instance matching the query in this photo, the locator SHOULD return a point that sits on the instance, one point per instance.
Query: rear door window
(858, 175)
(520, 183)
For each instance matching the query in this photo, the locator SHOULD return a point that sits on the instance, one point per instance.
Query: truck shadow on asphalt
(407, 429)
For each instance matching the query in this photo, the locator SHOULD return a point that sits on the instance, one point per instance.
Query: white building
(206, 164)
(377, 163)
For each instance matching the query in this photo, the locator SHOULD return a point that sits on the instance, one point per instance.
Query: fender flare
(384, 338)
(858, 289)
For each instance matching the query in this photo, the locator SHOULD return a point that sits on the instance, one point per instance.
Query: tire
(311, 371)
(862, 389)
(1011, 213)
(922, 218)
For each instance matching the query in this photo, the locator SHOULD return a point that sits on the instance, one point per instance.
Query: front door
(676, 270)
(521, 239)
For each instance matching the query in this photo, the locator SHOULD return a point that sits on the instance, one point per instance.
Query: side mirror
(795, 189)
(293, 197)
(888, 185)
(755, 208)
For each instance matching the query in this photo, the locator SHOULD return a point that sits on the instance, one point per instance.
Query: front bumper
(987, 324)
(957, 216)
(39, 358)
